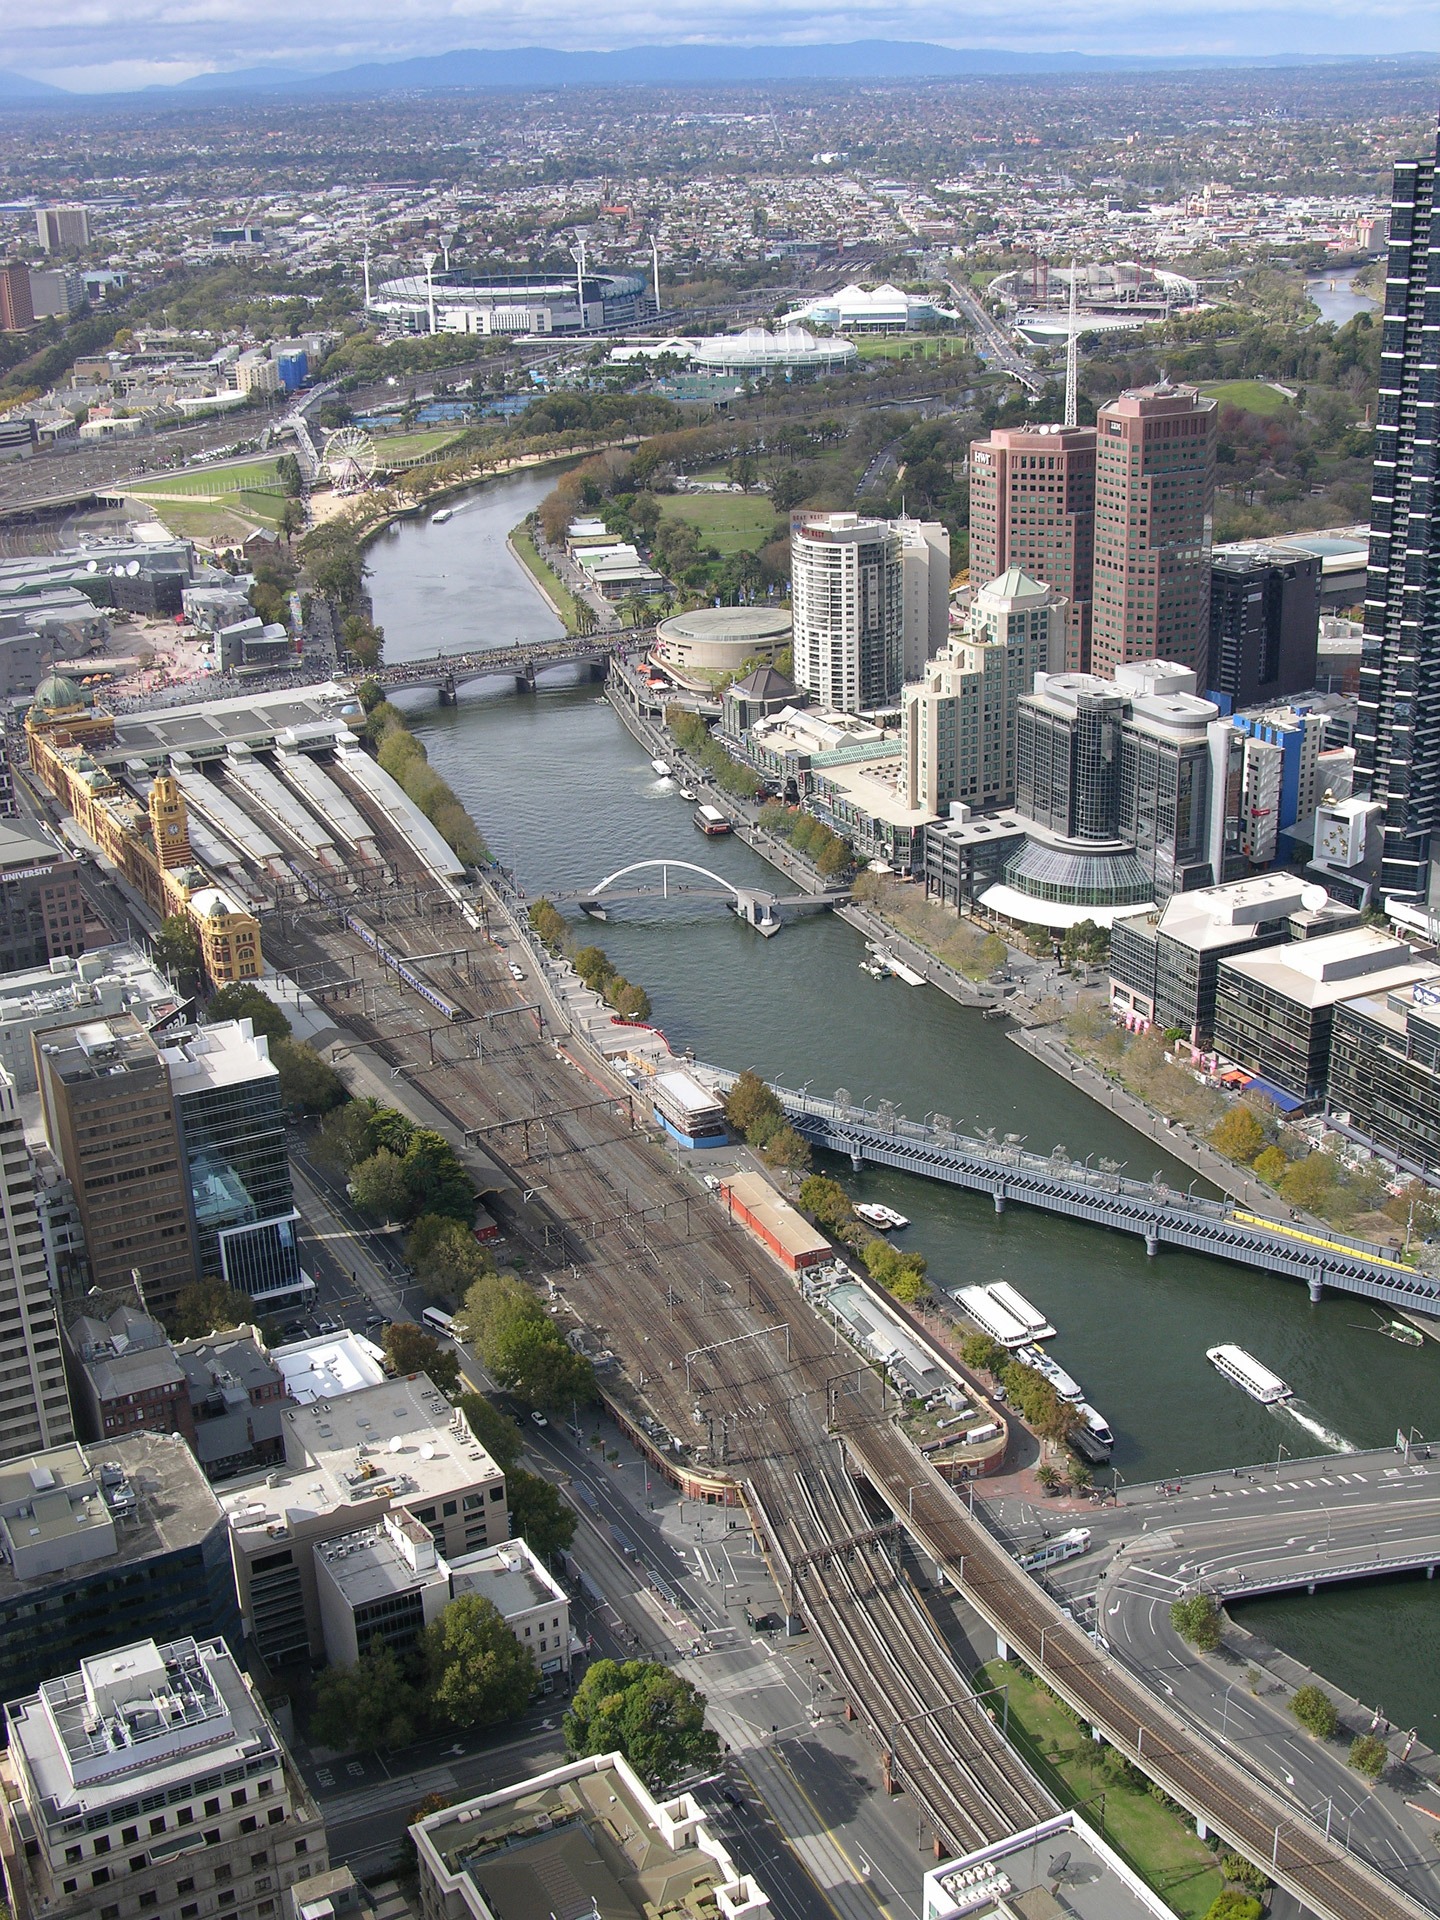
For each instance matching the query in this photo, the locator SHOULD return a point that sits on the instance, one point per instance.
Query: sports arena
(512, 303)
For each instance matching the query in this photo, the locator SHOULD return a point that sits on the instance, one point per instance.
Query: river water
(1334, 294)
(565, 795)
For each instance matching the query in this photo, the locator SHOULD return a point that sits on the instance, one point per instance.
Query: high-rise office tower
(847, 609)
(34, 1405)
(1154, 488)
(17, 310)
(62, 229)
(925, 592)
(1397, 740)
(1032, 506)
(110, 1118)
(1264, 624)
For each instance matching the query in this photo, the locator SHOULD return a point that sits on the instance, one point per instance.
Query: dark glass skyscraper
(1397, 741)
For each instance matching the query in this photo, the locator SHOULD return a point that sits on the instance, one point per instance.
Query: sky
(106, 45)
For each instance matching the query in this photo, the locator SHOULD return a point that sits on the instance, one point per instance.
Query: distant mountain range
(686, 66)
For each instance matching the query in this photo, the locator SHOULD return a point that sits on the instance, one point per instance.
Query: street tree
(176, 947)
(497, 1434)
(1196, 1619)
(243, 1000)
(366, 1706)
(535, 1362)
(410, 1349)
(645, 1711)
(479, 1673)
(1315, 1711)
(446, 1256)
(537, 1513)
(308, 1084)
(379, 1187)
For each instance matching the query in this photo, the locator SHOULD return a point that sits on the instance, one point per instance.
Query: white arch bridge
(683, 879)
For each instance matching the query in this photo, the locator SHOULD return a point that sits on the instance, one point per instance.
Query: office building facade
(62, 229)
(17, 315)
(1154, 490)
(1397, 740)
(847, 609)
(1264, 626)
(34, 1403)
(226, 1093)
(110, 1118)
(133, 1543)
(152, 1780)
(1385, 1073)
(42, 909)
(957, 737)
(1032, 506)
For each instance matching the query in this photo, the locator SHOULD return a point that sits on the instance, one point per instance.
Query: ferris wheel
(349, 460)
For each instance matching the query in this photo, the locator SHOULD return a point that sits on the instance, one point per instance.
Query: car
(327, 1326)
(295, 1331)
(735, 1799)
(539, 1418)
(516, 973)
(375, 1321)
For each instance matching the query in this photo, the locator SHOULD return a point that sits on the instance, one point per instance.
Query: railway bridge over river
(1152, 1210)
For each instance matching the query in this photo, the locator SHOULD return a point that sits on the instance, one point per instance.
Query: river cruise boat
(1247, 1372)
(710, 819)
(1016, 1304)
(887, 1218)
(1095, 1424)
(439, 519)
(662, 767)
(1067, 1388)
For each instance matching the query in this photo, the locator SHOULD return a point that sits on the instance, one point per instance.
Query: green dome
(56, 691)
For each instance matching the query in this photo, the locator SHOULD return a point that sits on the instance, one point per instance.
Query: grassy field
(904, 346)
(205, 520)
(1253, 396)
(1157, 1840)
(212, 483)
(554, 586)
(730, 522)
(415, 446)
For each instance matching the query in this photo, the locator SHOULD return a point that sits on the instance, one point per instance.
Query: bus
(1051, 1552)
(437, 1321)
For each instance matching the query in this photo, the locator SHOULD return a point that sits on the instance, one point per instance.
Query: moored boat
(874, 1215)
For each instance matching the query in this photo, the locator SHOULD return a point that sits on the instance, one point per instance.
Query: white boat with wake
(662, 767)
(874, 1215)
(1246, 1371)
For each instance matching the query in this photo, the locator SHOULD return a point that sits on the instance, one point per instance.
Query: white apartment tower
(925, 592)
(847, 609)
(958, 722)
(34, 1405)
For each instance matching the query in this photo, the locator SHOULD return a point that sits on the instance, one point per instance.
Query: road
(1259, 1530)
(994, 343)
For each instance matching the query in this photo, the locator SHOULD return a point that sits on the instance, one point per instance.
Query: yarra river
(565, 795)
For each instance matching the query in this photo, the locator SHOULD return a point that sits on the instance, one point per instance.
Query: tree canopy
(207, 1306)
(537, 1513)
(243, 1000)
(478, 1672)
(369, 1705)
(645, 1711)
(410, 1349)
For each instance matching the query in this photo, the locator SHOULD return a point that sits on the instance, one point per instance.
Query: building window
(212, 1807)
(184, 1886)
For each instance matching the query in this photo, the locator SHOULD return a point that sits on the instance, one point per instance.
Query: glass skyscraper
(1397, 740)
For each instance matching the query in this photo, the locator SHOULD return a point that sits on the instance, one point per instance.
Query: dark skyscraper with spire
(1398, 738)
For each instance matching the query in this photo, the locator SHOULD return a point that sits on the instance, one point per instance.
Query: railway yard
(706, 1346)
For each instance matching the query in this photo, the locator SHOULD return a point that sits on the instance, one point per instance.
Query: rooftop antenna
(367, 267)
(655, 269)
(429, 260)
(1072, 358)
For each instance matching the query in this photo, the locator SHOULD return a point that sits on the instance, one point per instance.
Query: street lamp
(1043, 1631)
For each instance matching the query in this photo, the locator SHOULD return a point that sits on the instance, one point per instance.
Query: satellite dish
(133, 568)
(397, 1445)
(1313, 898)
(92, 566)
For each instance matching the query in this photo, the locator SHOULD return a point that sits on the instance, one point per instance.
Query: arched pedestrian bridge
(683, 879)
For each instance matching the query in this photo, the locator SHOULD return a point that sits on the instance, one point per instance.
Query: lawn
(1252, 396)
(902, 346)
(205, 520)
(524, 545)
(730, 522)
(1156, 1838)
(414, 446)
(211, 483)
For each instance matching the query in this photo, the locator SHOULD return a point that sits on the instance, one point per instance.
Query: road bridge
(1151, 1210)
(522, 662)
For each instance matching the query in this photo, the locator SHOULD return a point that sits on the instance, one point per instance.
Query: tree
(378, 1186)
(243, 1000)
(1272, 1165)
(492, 1304)
(368, 1705)
(785, 1148)
(1048, 1476)
(1315, 1711)
(646, 1712)
(983, 1352)
(752, 1111)
(207, 1306)
(1078, 1473)
(827, 1203)
(1232, 1904)
(1238, 1135)
(1369, 1755)
(176, 947)
(343, 1137)
(434, 1178)
(1236, 1867)
(497, 1434)
(1196, 1619)
(537, 1513)
(479, 1673)
(1308, 1183)
(308, 1084)
(410, 1349)
(533, 1360)
(446, 1256)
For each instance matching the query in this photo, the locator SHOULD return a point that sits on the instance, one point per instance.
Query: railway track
(666, 1285)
